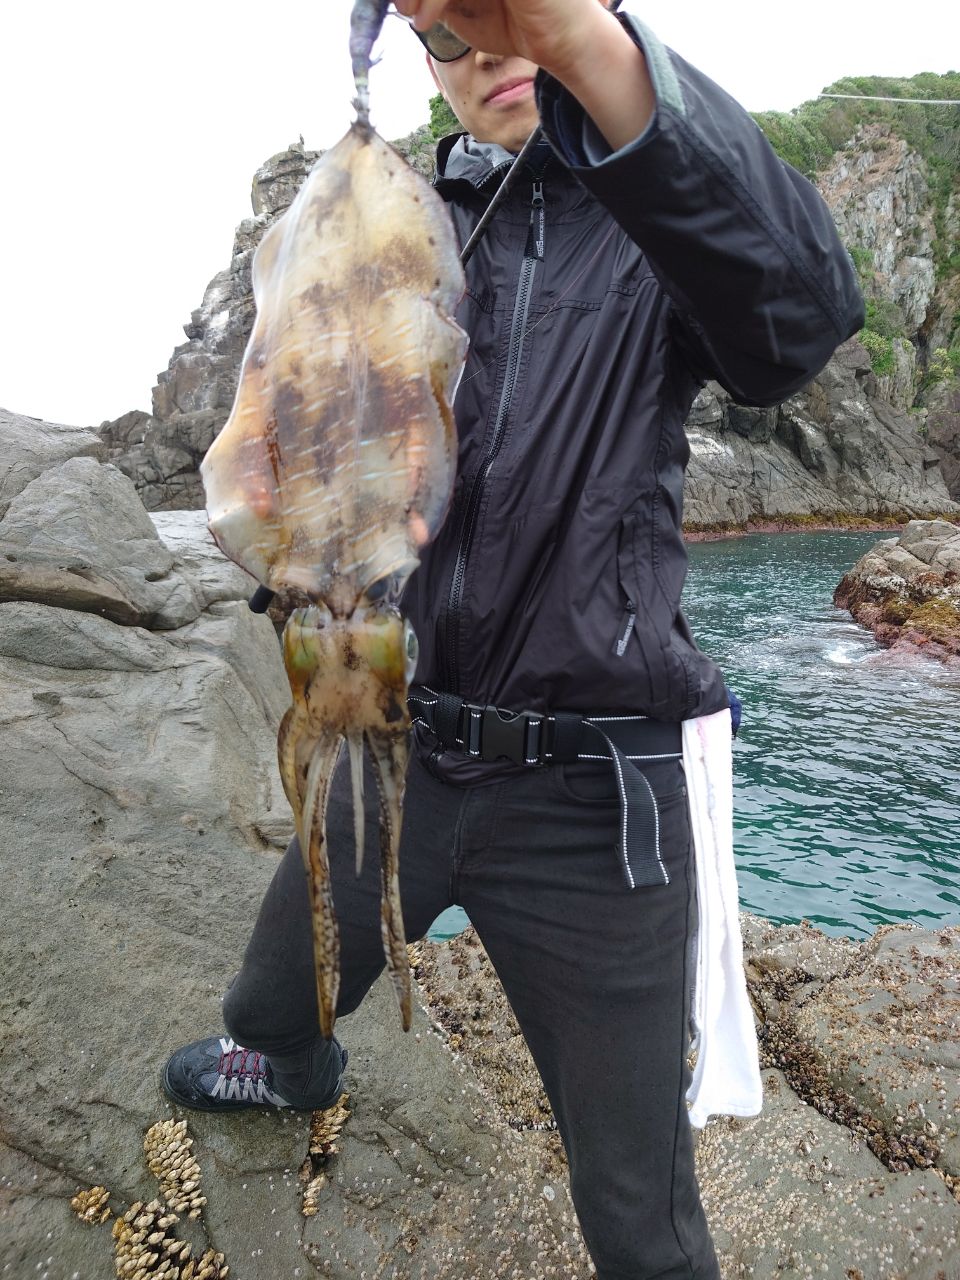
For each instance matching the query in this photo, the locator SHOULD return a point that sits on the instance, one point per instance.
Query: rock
(878, 190)
(66, 581)
(831, 452)
(943, 432)
(139, 790)
(887, 1037)
(90, 513)
(277, 181)
(907, 589)
(791, 1193)
(796, 1190)
(28, 447)
(186, 535)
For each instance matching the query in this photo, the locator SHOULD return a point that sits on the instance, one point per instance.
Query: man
(654, 242)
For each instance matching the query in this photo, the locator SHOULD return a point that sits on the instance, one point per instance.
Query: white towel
(726, 1078)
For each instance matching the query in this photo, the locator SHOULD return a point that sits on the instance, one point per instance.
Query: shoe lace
(239, 1062)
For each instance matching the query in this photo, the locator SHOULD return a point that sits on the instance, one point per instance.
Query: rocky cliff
(876, 436)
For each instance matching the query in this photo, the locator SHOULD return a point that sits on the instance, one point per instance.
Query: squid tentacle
(389, 752)
(313, 847)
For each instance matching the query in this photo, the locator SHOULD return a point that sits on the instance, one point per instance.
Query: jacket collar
(461, 159)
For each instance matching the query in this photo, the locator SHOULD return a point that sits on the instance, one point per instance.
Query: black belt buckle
(504, 735)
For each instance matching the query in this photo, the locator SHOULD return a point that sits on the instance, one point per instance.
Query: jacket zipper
(626, 627)
(533, 254)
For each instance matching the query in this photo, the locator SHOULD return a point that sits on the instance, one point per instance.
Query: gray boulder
(185, 533)
(86, 519)
(29, 446)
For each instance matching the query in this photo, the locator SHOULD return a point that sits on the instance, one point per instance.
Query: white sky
(129, 133)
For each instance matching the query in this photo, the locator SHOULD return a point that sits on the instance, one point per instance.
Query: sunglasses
(440, 42)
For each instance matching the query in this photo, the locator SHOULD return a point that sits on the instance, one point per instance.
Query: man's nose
(487, 59)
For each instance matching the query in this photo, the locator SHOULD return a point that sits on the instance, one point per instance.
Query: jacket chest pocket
(646, 639)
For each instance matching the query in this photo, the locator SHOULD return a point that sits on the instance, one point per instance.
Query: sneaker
(218, 1074)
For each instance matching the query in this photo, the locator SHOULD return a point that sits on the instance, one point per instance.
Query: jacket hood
(461, 159)
(483, 165)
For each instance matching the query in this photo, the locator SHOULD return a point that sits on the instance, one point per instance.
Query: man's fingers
(428, 12)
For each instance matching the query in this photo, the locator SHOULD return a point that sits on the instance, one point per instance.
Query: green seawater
(847, 765)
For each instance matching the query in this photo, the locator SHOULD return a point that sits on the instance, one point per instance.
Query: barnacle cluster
(470, 1011)
(325, 1128)
(172, 1163)
(146, 1249)
(91, 1206)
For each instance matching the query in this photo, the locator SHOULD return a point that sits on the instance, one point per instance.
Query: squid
(335, 468)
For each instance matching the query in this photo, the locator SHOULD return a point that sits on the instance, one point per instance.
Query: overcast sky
(130, 133)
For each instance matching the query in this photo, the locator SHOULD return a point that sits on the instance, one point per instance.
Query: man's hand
(551, 33)
(578, 42)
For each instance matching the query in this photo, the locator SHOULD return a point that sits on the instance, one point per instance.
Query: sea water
(847, 765)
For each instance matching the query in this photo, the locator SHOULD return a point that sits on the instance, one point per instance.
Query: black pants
(598, 976)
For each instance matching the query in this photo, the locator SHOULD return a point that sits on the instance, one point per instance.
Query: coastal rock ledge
(852, 1170)
(142, 818)
(907, 589)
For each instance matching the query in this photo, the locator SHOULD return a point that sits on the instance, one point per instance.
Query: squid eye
(411, 650)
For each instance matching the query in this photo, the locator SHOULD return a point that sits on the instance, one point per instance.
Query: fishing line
(869, 97)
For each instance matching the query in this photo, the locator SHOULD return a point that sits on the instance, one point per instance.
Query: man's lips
(509, 91)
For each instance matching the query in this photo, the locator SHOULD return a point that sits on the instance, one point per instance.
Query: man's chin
(511, 134)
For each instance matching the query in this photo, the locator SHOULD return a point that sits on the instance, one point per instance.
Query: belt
(532, 738)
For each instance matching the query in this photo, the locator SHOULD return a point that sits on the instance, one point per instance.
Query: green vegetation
(880, 350)
(808, 136)
(442, 119)
(943, 366)
(885, 318)
(863, 261)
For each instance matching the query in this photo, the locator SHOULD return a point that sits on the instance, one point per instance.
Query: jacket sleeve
(742, 244)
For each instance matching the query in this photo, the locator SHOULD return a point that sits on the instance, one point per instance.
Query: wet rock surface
(907, 589)
(823, 1182)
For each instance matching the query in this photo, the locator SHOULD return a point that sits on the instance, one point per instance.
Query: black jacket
(692, 253)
